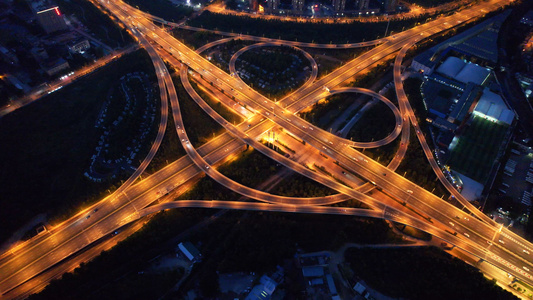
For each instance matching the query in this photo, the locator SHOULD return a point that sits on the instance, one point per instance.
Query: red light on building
(57, 11)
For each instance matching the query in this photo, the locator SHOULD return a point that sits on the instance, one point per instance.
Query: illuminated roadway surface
(60, 83)
(61, 236)
(287, 122)
(457, 213)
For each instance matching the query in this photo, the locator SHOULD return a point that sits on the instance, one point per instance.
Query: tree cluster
(422, 273)
(317, 32)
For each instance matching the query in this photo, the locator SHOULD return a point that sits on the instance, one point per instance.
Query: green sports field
(477, 149)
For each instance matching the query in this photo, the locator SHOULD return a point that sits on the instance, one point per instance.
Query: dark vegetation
(375, 124)
(272, 59)
(422, 273)
(512, 34)
(374, 74)
(170, 148)
(303, 32)
(141, 106)
(411, 87)
(324, 113)
(224, 52)
(195, 39)
(430, 3)
(330, 59)
(247, 245)
(249, 167)
(416, 168)
(47, 145)
(413, 232)
(383, 154)
(97, 22)
(258, 241)
(199, 126)
(300, 186)
(280, 68)
(162, 8)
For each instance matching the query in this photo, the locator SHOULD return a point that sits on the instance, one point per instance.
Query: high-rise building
(339, 5)
(48, 16)
(272, 6)
(298, 6)
(254, 5)
(390, 5)
(363, 4)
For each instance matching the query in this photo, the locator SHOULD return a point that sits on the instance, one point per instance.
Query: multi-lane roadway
(27, 261)
(294, 125)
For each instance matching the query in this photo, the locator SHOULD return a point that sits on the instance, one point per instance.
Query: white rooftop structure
(473, 73)
(189, 250)
(451, 66)
(471, 189)
(359, 288)
(462, 71)
(491, 106)
(264, 290)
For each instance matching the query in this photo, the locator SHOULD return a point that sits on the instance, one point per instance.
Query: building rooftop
(471, 189)
(189, 250)
(483, 45)
(451, 66)
(42, 5)
(462, 71)
(314, 271)
(263, 290)
(331, 285)
(492, 106)
(444, 124)
(463, 105)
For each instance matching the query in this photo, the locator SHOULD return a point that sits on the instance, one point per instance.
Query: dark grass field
(477, 149)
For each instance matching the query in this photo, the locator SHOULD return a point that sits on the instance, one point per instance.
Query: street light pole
(387, 29)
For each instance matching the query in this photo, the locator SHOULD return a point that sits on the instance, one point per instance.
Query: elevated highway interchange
(123, 209)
